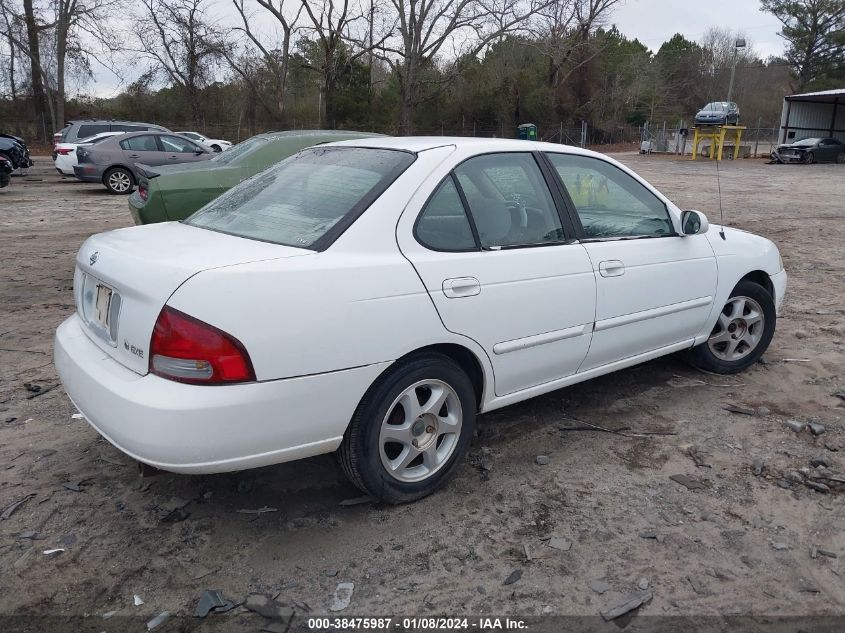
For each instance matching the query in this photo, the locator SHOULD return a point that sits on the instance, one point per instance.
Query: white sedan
(66, 157)
(371, 297)
(216, 144)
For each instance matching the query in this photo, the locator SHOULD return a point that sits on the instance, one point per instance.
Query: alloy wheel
(738, 330)
(420, 431)
(119, 181)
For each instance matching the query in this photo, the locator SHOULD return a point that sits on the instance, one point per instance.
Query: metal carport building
(813, 114)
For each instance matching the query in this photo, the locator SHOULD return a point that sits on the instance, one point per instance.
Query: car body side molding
(539, 339)
(627, 319)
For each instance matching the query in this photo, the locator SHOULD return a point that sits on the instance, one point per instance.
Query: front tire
(410, 430)
(809, 158)
(217, 149)
(742, 333)
(119, 181)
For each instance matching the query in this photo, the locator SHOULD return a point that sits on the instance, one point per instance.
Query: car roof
(422, 143)
(73, 121)
(317, 134)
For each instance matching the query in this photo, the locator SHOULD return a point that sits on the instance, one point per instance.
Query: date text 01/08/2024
(414, 624)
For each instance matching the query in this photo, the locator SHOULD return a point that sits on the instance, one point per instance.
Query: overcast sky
(655, 21)
(651, 21)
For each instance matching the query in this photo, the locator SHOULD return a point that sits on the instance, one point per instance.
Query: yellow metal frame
(717, 134)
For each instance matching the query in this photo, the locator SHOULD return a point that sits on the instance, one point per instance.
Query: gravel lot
(745, 543)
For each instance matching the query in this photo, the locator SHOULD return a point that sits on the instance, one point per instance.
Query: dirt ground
(742, 544)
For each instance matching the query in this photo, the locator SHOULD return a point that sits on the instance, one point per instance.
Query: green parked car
(173, 192)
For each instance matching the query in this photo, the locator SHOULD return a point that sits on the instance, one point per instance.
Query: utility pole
(740, 43)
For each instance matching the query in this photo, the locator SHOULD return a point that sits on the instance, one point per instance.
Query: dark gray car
(811, 150)
(112, 160)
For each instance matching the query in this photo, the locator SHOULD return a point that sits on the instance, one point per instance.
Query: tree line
(397, 66)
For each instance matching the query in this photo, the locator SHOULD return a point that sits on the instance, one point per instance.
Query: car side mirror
(693, 222)
(199, 151)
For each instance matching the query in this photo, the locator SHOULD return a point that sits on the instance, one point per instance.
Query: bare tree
(425, 28)
(54, 36)
(73, 20)
(11, 30)
(332, 23)
(178, 36)
(275, 58)
(563, 31)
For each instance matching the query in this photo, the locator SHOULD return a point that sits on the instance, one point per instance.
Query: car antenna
(721, 212)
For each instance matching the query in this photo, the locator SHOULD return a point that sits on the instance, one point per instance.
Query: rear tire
(410, 430)
(217, 148)
(840, 159)
(742, 333)
(119, 181)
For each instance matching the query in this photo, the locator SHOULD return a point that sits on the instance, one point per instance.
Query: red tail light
(142, 191)
(188, 350)
(64, 151)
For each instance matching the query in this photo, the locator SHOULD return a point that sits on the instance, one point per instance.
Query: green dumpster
(527, 132)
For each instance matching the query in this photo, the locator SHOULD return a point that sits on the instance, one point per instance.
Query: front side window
(143, 143)
(609, 202)
(509, 200)
(178, 145)
(443, 224)
(307, 199)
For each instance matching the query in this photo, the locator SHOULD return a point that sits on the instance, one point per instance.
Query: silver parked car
(113, 160)
(86, 128)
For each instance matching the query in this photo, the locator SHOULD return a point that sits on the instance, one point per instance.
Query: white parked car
(218, 145)
(66, 157)
(370, 297)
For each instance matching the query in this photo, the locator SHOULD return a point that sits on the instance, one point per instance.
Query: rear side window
(306, 200)
(443, 225)
(509, 200)
(143, 143)
(89, 129)
(178, 145)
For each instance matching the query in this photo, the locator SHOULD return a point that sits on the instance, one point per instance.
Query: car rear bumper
(206, 429)
(88, 172)
(64, 166)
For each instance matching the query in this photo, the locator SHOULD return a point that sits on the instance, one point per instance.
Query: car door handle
(611, 268)
(133, 156)
(461, 287)
(172, 157)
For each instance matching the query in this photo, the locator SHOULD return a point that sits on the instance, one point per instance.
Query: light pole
(740, 43)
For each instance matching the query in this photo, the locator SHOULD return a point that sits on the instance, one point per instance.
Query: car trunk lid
(124, 277)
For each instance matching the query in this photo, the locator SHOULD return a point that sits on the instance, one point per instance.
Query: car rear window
(307, 200)
(230, 155)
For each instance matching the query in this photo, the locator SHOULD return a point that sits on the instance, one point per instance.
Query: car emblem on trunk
(94, 256)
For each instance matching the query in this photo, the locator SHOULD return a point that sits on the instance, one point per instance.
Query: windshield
(231, 155)
(807, 141)
(299, 201)
(718, 105)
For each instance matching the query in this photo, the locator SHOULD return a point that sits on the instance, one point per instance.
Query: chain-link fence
(652, 137)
